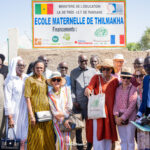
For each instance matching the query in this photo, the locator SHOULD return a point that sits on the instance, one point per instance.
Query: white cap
(118, 56)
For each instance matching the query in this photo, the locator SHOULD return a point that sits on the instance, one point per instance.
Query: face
(147, 65)
(139, 77)
(56, 82)
(94, 62)
(118, 63)
(63, 68)
(125, 80)
(45, 61)
(106, 71)
(1, 63)
(20, 67)
(138, 63)
(83, 62)
(39, 69)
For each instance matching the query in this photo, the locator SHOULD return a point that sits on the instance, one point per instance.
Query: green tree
(145, 40)
(134, 46)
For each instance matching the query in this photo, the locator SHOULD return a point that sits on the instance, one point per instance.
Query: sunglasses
(21, 65)
(83, 60)
(139, 76)
(126, 78)
(64, 68)
(147, 66)
(107, 69)
(56, 79)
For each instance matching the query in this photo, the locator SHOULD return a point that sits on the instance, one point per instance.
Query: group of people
(127, 98)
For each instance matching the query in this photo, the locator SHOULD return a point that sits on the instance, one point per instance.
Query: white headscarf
(12, 69)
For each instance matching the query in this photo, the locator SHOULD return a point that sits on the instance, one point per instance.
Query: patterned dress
(143, 138)
(41, 136)
(61, 103)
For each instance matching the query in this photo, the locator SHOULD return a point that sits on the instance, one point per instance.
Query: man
(80, 78)
(138, 63)
(47, 72)
(63, 69)
(94, 61)
(118, 62)
(145, 105)
(3, 68)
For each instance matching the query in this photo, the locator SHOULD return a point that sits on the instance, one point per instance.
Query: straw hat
(56, 75)
(118, 56)
(126, 72)
(105, 63)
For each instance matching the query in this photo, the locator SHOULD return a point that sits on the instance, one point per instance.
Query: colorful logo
(66, 36)
(55, 39)
(101, 32)
(43, 9)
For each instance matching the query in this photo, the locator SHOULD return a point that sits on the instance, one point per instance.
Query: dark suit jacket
(145, 94)
(4, 71)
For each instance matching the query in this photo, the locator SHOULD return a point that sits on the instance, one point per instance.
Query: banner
(78, 24)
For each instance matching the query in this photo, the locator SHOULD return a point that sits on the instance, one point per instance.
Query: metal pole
(8, 49)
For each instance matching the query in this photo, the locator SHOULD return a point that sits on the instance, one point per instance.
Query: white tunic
(15, 105)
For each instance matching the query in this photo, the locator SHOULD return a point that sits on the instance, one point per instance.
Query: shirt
(79, 81)
(125, 102)
(148, 100)
(4, 71)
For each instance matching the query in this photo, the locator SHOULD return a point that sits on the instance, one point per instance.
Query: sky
(17, 14)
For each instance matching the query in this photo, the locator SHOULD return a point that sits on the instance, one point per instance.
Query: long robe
(106, 128)
(15, 105)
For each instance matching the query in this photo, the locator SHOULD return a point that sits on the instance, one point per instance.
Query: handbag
(96, 104)
(6, 143)
(75, 119)
(121, 113)
(43, 116)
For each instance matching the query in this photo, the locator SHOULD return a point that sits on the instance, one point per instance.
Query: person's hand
(33, 121)
(118, 121)
(77, 105)
(87, 92)
(10, 122)
(66, 124)
(59, 116)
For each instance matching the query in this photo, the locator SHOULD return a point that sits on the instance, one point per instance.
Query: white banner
(79, 24)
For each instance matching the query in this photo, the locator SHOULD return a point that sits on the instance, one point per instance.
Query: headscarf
(12, 69)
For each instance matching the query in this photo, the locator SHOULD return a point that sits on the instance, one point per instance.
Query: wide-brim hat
(56, 74)
(118, 56)
(106, 63)
(126, 72)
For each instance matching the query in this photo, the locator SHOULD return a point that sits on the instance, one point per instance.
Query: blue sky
(17, 14)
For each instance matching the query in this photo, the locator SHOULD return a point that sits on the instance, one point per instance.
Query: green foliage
(134, 46)
(145, 40)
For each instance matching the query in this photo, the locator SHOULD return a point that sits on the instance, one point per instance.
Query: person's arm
(73, 87)
(8, 90)
(91, 85)
(132, 104)
(31, 114)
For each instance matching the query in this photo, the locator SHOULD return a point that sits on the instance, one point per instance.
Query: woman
(143, 138)
(15, 105)
(102, 132)
(60, 103)
(40, 135)
(125, 110)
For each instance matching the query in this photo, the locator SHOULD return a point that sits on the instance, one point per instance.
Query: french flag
(113, 39)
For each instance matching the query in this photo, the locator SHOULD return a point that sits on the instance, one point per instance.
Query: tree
(145, 40)
(134, 46)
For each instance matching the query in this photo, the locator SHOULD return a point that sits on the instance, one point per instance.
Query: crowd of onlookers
(25, 95)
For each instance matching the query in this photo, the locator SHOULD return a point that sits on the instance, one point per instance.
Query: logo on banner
(114, 8)
(66, 36)
(55, 39)
(38, 41)
(101, 32)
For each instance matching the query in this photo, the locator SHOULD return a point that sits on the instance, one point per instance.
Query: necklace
(57, 92)
(106, 80)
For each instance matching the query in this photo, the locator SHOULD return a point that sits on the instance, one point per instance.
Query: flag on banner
(122, 39)
(112, 39)
(43, 9)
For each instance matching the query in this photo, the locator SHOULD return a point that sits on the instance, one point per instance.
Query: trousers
(127, 133)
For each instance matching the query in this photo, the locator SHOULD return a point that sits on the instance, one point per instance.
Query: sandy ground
(71, 56)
